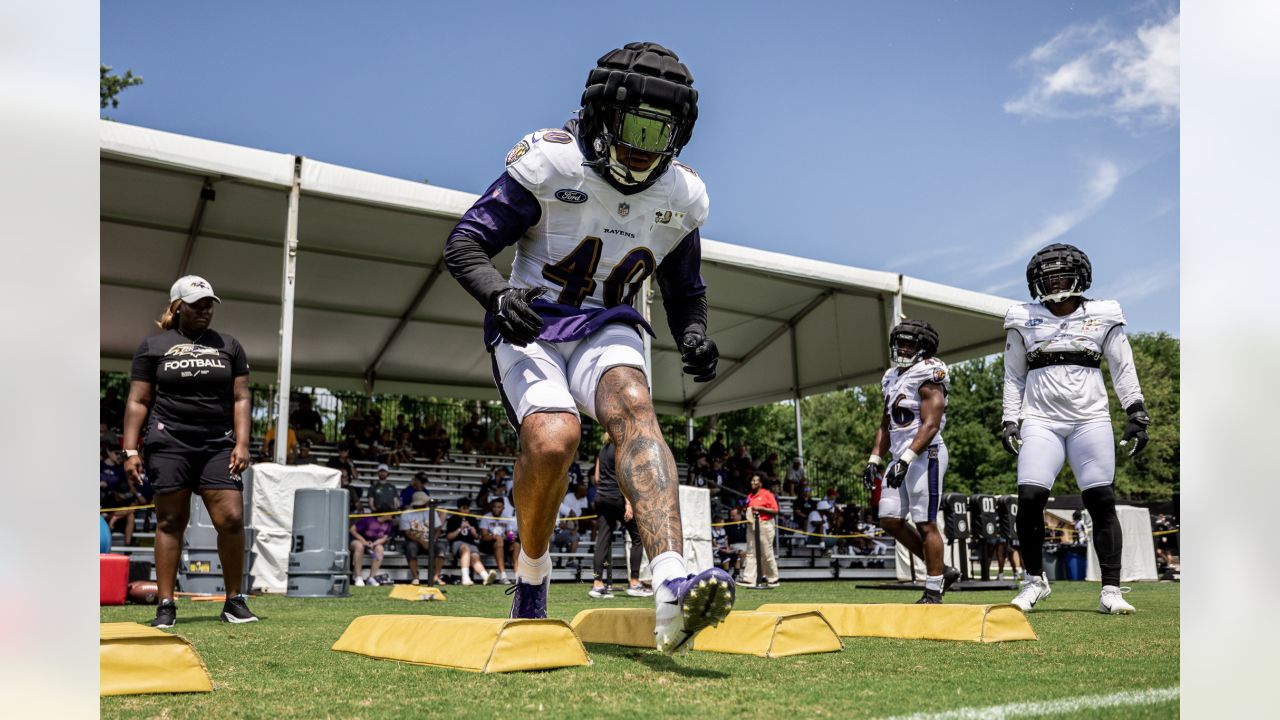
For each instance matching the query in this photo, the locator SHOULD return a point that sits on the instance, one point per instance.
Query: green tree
(112, 85)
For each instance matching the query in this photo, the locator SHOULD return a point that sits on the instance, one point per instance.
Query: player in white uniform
(1053, 384)
(593, 209)
(915, 402)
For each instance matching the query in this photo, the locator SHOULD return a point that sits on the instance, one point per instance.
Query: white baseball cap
(824, 505)
(190, 288)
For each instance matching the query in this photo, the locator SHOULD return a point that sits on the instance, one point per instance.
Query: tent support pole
(795, 387)
(206, 196)
(760, 347)
(372, 369)
(287, 284)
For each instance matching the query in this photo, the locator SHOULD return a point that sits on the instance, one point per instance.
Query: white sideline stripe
(1050, 707)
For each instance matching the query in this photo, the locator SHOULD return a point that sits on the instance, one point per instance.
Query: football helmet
(917, 331)
(1058, 260)
(638, 111)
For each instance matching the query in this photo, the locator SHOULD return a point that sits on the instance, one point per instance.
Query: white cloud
(1142, 283)
(1101, 186)
(1097, 71)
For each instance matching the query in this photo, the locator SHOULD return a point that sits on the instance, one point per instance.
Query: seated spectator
(443, 445)
(304, 454)
(269, 443)
(820, 524)
(415, 526)
(306, 421)
(401, 426)
(362, 446)
(354, 426)
(382, 493)
(802, 506)
(404, 448)
(114, 491)
(770, 467)
(417, 484)
(794, 478)
(727, 556)
(111, 410)
(498, 536)
(578, 504)
(718, 476)
(494, 445)
(368, 534)
(343, 463)
(464, 536)
(384, 449)
(718, 449)
(695, 449)
(502, 479)
(108, 439)
(699, 471)
(473, 434)
(565, 538)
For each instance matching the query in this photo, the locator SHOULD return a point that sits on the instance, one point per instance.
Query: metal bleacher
(798, 557)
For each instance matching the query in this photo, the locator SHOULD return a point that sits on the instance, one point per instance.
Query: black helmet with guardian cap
(1058, 260)
(917, 331)
(638, 99)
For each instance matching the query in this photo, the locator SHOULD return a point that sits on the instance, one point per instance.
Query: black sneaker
(949, 577)
(234, 610)
(930, 597)
(166, 615)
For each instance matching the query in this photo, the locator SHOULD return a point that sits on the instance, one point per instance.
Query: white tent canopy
(370, 304)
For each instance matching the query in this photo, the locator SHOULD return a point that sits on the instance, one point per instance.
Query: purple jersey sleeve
(500, 216)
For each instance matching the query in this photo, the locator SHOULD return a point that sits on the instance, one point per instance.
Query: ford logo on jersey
(1034, 322)
(571, 196)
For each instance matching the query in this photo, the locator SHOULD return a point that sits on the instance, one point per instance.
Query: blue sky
(944, 140)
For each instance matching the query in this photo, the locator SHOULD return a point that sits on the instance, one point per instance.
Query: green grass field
(283, 667)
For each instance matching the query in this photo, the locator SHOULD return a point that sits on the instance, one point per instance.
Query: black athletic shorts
(195, 471)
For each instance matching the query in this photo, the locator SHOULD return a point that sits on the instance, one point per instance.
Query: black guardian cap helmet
(1058, 260)
(918, 331)
(639, 98)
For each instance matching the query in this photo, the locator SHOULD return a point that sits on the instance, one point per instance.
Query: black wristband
(1136, 407)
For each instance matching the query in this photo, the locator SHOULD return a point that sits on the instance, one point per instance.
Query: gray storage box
(319, 561)
(318, 586)
(320, 520)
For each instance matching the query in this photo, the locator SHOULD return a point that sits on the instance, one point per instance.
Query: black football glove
(1136, 428)
(1011, 438)
(870, 474)
(699, 355)
(517, 322)
(896, 473)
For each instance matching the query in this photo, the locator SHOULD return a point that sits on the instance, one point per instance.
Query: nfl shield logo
(623, 209)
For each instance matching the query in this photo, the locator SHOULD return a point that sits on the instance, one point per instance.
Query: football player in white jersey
(593, 209)
(1053, 385)
(915, 401)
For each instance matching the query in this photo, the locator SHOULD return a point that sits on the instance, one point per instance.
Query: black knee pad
(1032, 497)
(1100, 501)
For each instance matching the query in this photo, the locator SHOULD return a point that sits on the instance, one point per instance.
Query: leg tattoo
(646, 468)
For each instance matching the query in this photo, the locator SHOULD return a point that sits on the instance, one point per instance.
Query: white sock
(666, 566)
(466, 573)
(933, 582)
(533, 571)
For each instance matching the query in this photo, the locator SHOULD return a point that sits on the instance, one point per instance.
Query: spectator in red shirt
(762, 505)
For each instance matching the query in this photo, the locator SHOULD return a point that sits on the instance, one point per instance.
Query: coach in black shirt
(190, 387)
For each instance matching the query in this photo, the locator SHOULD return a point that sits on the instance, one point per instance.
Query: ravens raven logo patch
(517, 152)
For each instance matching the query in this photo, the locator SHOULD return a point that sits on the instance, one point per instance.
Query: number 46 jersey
(900, 389)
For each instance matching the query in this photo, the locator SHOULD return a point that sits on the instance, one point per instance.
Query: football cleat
(930, 597)
(166, 615)
(1112, 601)
(639, 591)
(688, 605)
(949, 577)
(234, 610)
(529, 602)
(1034, 589)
